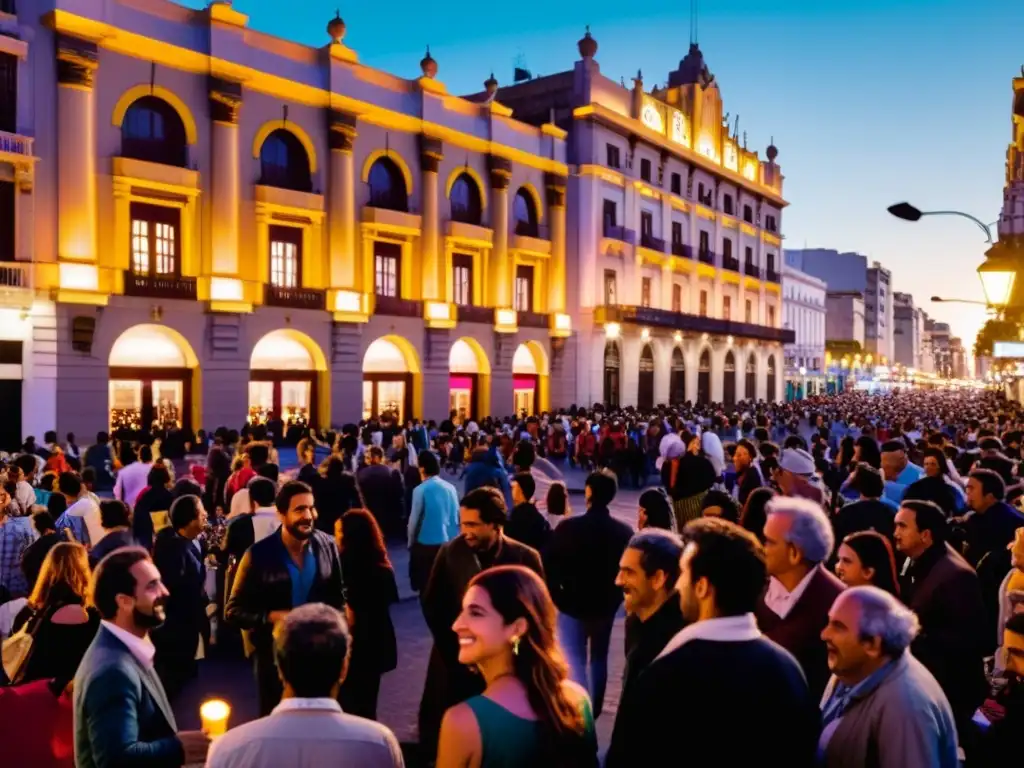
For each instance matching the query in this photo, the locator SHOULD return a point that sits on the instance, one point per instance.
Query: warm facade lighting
(563, 322)
(677, 337)
(226, 289)
(79, 277)
(438, 310)
(505, 319)
(612, 330)
(348, 301)
(645, 334)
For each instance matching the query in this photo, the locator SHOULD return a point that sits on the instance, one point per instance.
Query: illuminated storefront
(388, 381)
(283, 382)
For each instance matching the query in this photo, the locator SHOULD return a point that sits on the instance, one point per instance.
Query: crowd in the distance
(847, 571)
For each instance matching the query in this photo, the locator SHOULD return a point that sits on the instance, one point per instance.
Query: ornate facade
(228, 225)
(674, 237)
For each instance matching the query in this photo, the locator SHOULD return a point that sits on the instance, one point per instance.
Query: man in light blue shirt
(433, 521)
(898, 470)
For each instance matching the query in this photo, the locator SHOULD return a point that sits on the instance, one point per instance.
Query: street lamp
(908, 212)
(997, 278)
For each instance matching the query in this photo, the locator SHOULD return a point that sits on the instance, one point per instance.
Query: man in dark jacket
(184, 574)
(525, 522)
(480, 546)
(293, 566)
(869, 512)
(943, 590)
(582, 563)
(382, 491)
(718, 678)
(793, 610)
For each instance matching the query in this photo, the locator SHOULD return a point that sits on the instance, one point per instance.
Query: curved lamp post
(908, 212)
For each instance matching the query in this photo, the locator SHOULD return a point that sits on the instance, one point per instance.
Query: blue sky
(870, 102)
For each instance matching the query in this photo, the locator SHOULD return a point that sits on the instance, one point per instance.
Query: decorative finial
(336, 27)
(428, 65)
(491, 84)
(772, 151)
(587, 45)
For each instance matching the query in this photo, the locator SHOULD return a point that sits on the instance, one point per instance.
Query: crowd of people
(845, 570)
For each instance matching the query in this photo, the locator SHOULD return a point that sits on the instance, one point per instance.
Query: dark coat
(382, 492)
(646, 639)
(184, 574)
(448, 682)
(733, 697)
(485, 470)
(262, 585)
(582, 562)
(944, 592)
(800, 632)
(864, 515)
(371, 592)
(155, 501)
(528, 526)
(122, 716)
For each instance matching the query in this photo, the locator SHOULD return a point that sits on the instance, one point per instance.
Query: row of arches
(155, 381)
(153, 129)
(678, 393)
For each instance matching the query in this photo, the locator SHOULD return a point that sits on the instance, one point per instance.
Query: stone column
(501, 276)
(556, 217)
(225, 178)
(345, 267)
(431, 155)
(77, 62)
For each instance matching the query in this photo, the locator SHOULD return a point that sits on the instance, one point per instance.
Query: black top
(863, 515)
(110, 542)
(58, 648)
(153, 500)
(371, 590)
(33, 557)
(696, 474)
(183, 573)
(528, 526)
(991, 531)
(711, 703)
(582, 562)
(646, 639)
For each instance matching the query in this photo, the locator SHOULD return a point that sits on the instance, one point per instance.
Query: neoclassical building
(674, 237)
(221, 224)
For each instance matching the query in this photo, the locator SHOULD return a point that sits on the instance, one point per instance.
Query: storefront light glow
(438, 310)
(506, 318)
(79, 277)
(348, 301)
(563, 322)
(612, 330)
(226, 289)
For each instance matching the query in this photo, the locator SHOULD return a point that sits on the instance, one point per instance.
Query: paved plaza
(232, 679)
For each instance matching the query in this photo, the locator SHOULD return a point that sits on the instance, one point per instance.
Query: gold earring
(515, 645)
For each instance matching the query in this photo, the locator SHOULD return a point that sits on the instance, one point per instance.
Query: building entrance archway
(391, 379)
(288, 381)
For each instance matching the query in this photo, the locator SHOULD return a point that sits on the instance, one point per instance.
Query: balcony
(295, 298)
(470, 234)
(731, 263)
(680, 321)
(706, 257)
(165, 287)
(652, 242)
(469, 313)
(752, 269)
(532, 229)
(15, 146)
(533, 320)
(772, 276)
(398, 307)
(391, 220)
(682, 250)
(622, 234)
(531, 238)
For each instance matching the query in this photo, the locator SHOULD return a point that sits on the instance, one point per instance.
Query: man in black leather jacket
(293, 566)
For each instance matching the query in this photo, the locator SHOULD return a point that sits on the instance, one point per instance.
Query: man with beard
(295, 565)
(718, 678)
(122, 716)
(481, 545)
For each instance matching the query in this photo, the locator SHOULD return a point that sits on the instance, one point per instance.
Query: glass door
(524, 401)
(125, 405)
(168, 403)
(391, 398)
(261, 401)
(460, 401)
(295, 402)
(368, 392)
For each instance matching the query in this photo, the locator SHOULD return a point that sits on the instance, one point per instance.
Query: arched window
(387, 186)
(524, 211)
(284, 162)
(645, 385)
(704, 378)
(465, 200)
(729, 380)
(153, 131)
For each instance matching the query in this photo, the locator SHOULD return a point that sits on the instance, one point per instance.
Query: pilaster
(501, 276)
(225, 178)
(345, 266)
(431, 155)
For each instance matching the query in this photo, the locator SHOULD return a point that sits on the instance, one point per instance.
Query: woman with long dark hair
(866, 559)
(530, 714)
(371, 589)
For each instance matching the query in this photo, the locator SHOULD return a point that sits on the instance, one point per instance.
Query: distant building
(908, 332)
(957, 358)
(844, 320)
(803, 312)
(938, 336)
(845, 272)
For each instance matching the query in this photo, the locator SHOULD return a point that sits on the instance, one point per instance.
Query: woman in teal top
(530, 714)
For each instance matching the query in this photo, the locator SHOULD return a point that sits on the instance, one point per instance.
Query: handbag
(17, 649)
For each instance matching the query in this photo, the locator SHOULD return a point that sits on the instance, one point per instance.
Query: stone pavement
(232, 679)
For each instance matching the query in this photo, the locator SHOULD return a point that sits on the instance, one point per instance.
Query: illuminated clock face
(651, 117)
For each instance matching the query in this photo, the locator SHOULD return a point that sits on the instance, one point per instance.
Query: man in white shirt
(308, 729)
(121, 712)
(794, 608)
(133, 478)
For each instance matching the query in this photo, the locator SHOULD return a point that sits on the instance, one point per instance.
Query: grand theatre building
(222, 225)
(674, 237)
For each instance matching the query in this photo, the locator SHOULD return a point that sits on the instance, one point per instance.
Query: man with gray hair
(881, 704)
(308, 729)
(798, 540)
